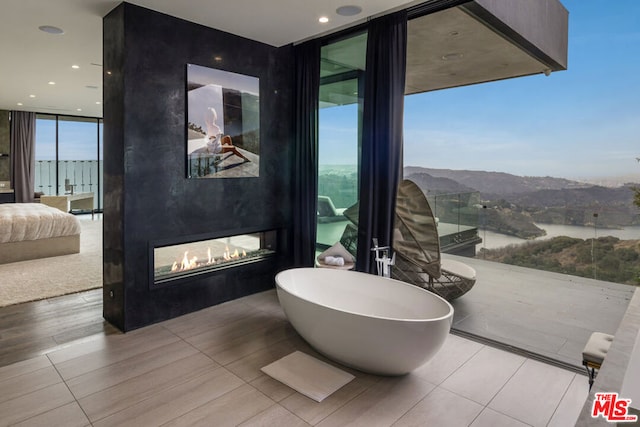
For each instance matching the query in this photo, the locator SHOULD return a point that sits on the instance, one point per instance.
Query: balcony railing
(65, 176)
(458, 216)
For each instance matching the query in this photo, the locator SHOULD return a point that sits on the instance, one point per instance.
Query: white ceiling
(30, 58)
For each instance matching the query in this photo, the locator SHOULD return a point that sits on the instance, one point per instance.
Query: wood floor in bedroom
(31, 329)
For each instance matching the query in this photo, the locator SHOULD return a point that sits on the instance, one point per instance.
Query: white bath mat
(308, 375)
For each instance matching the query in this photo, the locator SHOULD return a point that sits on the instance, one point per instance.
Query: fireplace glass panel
(187, 259)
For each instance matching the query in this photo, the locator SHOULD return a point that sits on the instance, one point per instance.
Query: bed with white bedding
(34, 230)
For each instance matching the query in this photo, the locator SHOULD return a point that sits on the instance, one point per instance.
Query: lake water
(493, 240)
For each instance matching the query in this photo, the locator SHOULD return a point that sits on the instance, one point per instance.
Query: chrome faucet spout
(383, 262)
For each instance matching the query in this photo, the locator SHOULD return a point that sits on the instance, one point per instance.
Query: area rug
(55, 276)
(307, 375)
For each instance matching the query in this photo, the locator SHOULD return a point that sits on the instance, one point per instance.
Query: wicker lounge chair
(417, 247)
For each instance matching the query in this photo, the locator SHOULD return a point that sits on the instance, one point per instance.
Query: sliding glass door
(69, 156)
(340, 123)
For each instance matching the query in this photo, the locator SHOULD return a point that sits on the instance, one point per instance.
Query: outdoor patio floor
(547, 314)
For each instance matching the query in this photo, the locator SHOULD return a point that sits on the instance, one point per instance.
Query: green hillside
(607, 258)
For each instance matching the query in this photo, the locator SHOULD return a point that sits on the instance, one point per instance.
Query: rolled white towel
(334, 260)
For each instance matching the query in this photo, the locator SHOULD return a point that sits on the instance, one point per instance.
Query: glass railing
(457, 216)
(73, 176)
(599, 245)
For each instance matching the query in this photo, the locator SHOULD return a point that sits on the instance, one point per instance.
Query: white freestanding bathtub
(374, 324)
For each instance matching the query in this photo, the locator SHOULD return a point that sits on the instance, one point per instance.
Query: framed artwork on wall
(223, 124)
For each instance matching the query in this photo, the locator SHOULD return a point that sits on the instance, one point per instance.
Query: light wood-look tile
(441, 408)
(176, 401)
(35, 403)
(126, 369)
(382, 404)
(490, 418)
(88, 345)
(453, 354)
(572, 402)
(275, 416)
(264, 334)
(28, 382)
(265, 301)
(533, 393)
(23, 367)
(231, 341)
(70, 415)
(207, 319)
(482, 377)
(271, 388)
(118, 348)
(134, 390)
(230, 409)
(313, 412)
(248, 368)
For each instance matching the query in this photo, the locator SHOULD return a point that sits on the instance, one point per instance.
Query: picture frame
(223, 124)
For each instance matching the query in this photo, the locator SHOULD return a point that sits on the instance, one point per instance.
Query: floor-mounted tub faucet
(383, 261)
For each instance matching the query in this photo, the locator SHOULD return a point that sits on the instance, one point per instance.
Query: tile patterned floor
(203, 369)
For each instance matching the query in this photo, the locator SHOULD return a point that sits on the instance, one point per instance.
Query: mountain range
(496, 183)
(521, 199)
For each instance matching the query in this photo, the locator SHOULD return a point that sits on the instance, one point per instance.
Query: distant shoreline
(496, 240)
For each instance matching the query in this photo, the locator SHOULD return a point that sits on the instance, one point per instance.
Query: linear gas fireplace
(188, 259)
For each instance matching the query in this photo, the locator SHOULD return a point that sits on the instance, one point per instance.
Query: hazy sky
(580, 123)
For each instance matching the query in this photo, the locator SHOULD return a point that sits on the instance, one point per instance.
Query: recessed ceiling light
(217, 58)
(32, 96)
(78, 109)
(323, 20)
(75, 67)
(348, 10)
(50, 29)
(98, 102)
(19, 103)
(52, 83)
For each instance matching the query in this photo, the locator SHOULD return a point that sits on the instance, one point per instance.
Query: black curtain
(305, 175)
(381, 161)
(23, 155)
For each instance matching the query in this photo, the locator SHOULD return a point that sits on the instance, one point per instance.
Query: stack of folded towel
(334, 260)
(337, 256)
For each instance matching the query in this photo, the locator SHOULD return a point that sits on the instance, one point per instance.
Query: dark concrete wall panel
(147, 188)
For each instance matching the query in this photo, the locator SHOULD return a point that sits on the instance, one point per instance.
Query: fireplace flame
(186, 263)
(190, 263)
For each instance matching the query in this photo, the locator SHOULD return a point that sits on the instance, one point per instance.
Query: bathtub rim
(354, 313)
